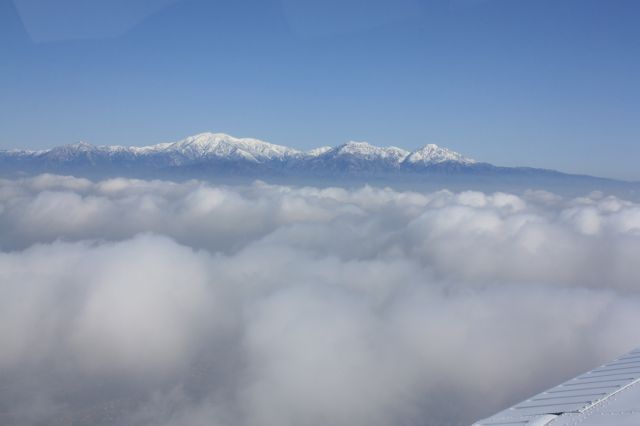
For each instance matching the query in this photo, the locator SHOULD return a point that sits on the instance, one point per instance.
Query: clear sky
(545, 83)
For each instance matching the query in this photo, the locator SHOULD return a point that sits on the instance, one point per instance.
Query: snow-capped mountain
(195, 148)
(433, 154)
(219, 155)
(366, 151)
(219, 147)
(355, 157)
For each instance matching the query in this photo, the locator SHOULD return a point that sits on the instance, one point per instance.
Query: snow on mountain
(433, 154)
(367, 151)
(68, 152)
(219, 151)
(318, 151)
(352, 157)
(226, 146)
(212, 145)
(221, 145)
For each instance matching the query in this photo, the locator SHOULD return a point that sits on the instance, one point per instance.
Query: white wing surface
(606, 396)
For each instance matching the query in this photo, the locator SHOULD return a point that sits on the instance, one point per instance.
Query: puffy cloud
(154, 303)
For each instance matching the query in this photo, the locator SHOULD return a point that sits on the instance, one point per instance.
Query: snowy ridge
(218, 145)
(367, 151)
(433, 154)
(318, 151)
(220, 152)
(222, 145)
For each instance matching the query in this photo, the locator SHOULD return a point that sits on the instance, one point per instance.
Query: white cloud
(155, 303)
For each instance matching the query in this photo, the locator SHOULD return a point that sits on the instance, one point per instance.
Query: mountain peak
(319, 151)
(356, 147)
(357, 143)
(210, 144)
(433, 154)
(214, 148)
(82, 145)
(370, 152)
(207, 138)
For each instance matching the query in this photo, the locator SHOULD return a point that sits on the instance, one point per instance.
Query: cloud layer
(152, 303)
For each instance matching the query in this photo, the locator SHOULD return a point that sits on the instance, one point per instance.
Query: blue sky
(546, 83)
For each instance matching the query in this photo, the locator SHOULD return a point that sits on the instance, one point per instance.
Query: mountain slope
(211, 148)
(433, 154)
(220, 155)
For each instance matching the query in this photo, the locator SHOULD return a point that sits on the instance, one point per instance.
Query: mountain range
(221, 156)
(213, 148)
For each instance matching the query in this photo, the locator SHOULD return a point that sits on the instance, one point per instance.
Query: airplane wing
(606, 396)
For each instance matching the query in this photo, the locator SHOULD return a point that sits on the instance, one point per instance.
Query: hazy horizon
(388, 145)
